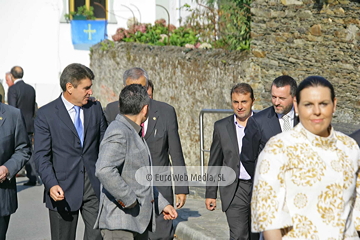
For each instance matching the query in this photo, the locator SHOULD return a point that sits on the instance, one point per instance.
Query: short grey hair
(135, 73)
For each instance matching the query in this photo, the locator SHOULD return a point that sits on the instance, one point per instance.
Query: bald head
(17, 72)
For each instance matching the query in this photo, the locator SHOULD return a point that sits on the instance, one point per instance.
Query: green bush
(226, 26)
(214, 23)
(83, 11)
(157, 34)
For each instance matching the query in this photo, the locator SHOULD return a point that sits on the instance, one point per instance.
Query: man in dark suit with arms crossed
(68, 132)
(15, 152)
(162, 137)
(224, 151)
(269, 122)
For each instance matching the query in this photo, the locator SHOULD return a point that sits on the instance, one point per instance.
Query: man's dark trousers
(4, 223)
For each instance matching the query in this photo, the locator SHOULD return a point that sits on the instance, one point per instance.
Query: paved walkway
(31, 221)
(196, 222)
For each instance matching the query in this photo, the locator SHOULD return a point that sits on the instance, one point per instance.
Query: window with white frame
(102, 8)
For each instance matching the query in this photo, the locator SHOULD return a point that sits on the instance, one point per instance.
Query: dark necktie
(78, 124)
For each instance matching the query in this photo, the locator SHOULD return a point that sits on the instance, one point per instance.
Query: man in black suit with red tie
(22, 96)
(269, 122)
(68, 132)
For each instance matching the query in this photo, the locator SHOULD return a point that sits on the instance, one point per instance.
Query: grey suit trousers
(123, 235)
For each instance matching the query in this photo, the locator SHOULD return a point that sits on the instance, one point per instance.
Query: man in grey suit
(161, 134)
(127, 206)
(225, 151)
(15, 151)
(269, 122)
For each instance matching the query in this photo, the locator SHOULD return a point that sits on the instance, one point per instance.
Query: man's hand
(180, 200)
(56, 193)
(210, 204)
(3, 173)
(169, 213)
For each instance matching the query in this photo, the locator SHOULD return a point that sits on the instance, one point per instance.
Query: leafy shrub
(158, 34)
(87, 13)
(225, 25)
(214, 23)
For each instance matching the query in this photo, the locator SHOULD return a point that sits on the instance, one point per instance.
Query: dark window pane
(78, 3)
(98, 10)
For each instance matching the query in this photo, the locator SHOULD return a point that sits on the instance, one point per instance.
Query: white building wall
(175, 10)
(33, 38)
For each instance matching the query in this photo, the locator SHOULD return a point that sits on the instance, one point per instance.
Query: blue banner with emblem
(86, 33)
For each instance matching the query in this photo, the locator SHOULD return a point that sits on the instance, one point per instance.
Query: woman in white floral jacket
(307, 183)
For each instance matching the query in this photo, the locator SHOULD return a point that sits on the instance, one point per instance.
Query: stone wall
(289, 37)
(188, 80)
(302, 38)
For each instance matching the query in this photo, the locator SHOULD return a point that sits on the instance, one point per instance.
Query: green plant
(225, 26)
(106, 45)
(159, 34)
(84, 11)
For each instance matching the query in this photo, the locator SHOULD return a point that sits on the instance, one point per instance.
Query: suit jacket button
(152, 201)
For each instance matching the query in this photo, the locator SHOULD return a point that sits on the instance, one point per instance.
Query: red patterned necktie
(142, 130)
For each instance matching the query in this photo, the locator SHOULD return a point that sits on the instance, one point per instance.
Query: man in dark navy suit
(22, 96)
(68, 132)
(269, 122)
(15, 152)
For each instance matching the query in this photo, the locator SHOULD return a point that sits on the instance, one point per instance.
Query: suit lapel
(87, 116)
(296, 119)
(232, 133)
(273, 123)
(139, 141)
(64, 116)
(152, 119)
(2, 115)
(148, 156)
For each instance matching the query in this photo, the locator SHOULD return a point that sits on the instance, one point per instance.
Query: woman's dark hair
(314, 81)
